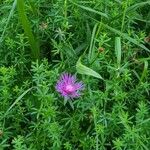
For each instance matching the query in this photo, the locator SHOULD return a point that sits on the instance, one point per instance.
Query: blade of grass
(124, 35)
(141, 4)
(142, 20)
(143, 59)
(144, 71)
(131, 8)
(90, 9)
(118, 50)
(136, 74)
(17, 100)
(82, 69)
(8, 20)
(35, 51)
(118, 1)
(91, 49)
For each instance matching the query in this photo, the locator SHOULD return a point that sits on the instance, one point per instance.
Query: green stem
(65, 13)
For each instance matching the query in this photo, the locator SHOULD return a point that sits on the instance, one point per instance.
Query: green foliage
(105, 44)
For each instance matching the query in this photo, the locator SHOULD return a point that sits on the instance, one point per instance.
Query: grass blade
(131, 8)
(144, 71)
(81, 69)
(8, 20)
(17, 100)
(137, 5)
(91, 50)
(118, 50)
(91, 10)
(143, 20)
(35, 51)
(124, 35)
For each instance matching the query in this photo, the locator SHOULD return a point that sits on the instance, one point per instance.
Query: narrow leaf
(35, 51)
(124, 35)
(144, 71)
(91, 50)
(17, 100)
(86, 70)
(91, 10)
(137, 5)
(118, 50)
(8, 20)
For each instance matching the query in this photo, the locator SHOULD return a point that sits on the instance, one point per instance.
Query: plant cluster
(47, 48)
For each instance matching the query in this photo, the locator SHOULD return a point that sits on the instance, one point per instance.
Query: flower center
(69, 88)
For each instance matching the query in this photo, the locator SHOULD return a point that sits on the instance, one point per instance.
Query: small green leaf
(65, 101)
(71, 104)
(86, 70)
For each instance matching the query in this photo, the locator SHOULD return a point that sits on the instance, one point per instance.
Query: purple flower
(68, 87)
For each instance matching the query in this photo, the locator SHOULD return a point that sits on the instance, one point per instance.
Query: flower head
(68, 87)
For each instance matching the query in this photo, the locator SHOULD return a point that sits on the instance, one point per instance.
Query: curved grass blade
(143, 20)
(137, 5)
(81, 69)
(131, 8)
(17, 100)
(35, 51)
(124, 35)
(8, 20)
(145, 70)
(91, 10)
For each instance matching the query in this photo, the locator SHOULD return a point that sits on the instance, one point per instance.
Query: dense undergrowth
(106, 43)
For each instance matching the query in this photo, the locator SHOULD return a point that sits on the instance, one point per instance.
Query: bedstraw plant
(74, 75)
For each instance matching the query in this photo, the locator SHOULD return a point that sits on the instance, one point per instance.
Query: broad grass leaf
(82, 69)
(35, 51)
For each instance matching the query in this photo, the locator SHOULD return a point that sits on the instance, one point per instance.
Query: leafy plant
(105, 44)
